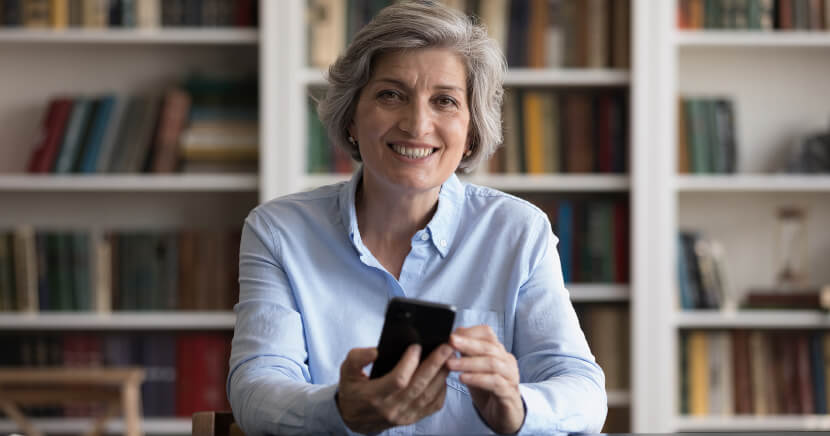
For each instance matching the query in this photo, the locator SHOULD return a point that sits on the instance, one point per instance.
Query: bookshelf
(774, 79)
(40, 64)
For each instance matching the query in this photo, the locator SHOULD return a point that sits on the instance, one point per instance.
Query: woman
(416, 97)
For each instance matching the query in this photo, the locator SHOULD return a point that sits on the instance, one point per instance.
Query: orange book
(534, 148)
(682, 135)
(536, 34)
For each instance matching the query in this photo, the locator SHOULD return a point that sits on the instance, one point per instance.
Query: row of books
(322, 155)
(804, 15)
(124, 271)
(743, 372)
(548, 131)
(607, 330)
(700, 271)
(533, 33)
(706, 139)
(593, 236)
(184, 372)
(207, 124)
(91, 14)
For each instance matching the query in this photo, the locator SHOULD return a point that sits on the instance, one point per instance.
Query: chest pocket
(470, 318)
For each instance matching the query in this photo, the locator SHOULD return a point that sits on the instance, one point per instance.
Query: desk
(118, 388)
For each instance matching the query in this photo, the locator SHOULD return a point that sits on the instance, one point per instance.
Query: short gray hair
(412, 25)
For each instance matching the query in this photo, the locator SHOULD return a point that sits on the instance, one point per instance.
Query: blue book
(565, 229)
(98, 131)
(817, 365)
(71, 145)
(686, 301)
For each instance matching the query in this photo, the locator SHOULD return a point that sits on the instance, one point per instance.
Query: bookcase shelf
(598, 293)
(211, 36)
(753, 183)
(160, 426)
(117, 321)
(746, 39)
(753, 423)
(527, 77)
(129, 183)
(752, 319)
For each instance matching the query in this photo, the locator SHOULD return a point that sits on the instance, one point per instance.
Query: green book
(82, 284)
(600, 241)
(714, 144)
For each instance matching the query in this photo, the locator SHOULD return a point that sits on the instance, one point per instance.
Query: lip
(410, 144)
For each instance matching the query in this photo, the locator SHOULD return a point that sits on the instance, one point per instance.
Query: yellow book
(60, 14)
(534, 155)
(551, 129)
(698, 373)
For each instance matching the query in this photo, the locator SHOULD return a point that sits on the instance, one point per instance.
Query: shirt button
(424, 236)
(443, 242)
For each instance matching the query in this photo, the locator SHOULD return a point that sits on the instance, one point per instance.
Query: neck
(388, 215)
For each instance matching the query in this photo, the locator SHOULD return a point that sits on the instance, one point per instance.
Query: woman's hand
(491, 374)
(405, 395)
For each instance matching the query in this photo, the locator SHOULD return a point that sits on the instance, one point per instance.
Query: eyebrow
(403, 85)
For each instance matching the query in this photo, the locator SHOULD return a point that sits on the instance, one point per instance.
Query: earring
(468, 153)
(352, 141)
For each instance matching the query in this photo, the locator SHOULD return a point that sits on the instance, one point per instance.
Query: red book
(621, 235)
(244, 13)
(804, 377)
(54, 124)
(604, 131)
(202, 368)
(785, 14)
(174, 117)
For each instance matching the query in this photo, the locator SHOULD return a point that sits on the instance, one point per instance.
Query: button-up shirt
(310, 291)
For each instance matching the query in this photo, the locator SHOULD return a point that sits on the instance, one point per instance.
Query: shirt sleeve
(269, 385)
(561, 384)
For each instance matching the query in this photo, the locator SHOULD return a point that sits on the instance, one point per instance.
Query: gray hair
(413, 25)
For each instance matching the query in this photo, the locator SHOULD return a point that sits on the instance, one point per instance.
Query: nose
(417, 118)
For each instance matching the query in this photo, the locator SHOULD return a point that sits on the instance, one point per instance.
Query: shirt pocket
(470, 318)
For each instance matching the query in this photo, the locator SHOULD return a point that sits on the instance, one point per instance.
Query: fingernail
(446, 350)
(416, 348)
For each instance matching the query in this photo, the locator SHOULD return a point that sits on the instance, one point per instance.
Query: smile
(412, 152)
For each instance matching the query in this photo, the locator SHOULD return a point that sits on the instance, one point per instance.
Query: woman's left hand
(491, 374)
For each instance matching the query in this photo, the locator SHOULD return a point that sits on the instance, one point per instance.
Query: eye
(446, 101)
(389, 95)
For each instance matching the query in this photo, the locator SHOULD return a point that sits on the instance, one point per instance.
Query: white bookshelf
(159, 426)
(747, 183)
(130, 183)
(598, 293)
(139, 321)
(749, 39)
(776, 82)
(741, 423)
(753, 319)
(187, 36)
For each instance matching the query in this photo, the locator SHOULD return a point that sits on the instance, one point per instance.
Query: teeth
(412, 152)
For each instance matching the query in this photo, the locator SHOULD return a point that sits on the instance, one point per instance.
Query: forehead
(430, 66)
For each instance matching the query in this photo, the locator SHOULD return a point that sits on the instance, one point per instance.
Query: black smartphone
(410, 321)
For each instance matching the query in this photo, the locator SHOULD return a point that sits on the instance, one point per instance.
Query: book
(813, 298)
(53, 127)
(327, 20)
(698, 353)
(74, 136)
(174, 114)
(103, 118)
(533, 145)
(742, 373)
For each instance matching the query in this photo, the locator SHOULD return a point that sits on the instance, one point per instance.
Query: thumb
(357, 359)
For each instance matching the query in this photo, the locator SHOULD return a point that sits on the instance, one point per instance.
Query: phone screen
(409, 321)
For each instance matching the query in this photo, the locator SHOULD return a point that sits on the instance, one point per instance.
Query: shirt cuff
(536, 421)
(324, 416)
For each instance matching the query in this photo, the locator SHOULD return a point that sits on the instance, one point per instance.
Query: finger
(482, 331)
(481, 364)
(428, 372)
(357, 359)
(475, 347)
(432, 399)
(496, 384)
(400, 376)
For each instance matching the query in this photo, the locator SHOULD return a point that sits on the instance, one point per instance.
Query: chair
(118, 388)
(213, 423)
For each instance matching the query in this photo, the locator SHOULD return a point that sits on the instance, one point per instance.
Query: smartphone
(410, 321)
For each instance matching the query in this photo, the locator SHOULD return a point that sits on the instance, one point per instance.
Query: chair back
(212, 423)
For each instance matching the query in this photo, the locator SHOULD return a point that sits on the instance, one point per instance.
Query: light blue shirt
(310, 291)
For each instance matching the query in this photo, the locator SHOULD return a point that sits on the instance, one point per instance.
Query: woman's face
(412, 119)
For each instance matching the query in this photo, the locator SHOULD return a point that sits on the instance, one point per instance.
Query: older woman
(416, 98)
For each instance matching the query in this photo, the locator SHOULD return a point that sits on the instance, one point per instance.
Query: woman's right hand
(404, 396)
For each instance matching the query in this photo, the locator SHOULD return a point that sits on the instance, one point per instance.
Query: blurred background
(681, 149)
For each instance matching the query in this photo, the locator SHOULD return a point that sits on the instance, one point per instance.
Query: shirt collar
(441, 228)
